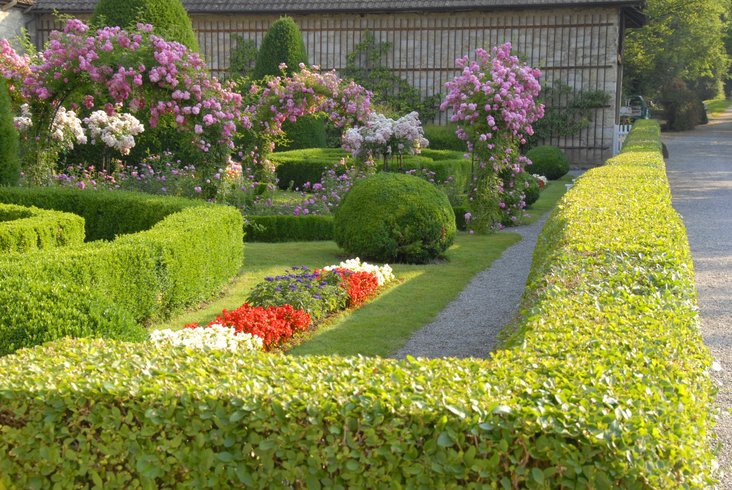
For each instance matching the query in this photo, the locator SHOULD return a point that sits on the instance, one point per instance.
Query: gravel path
(468, 326)
(700, 171)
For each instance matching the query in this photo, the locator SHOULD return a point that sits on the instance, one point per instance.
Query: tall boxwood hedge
(9, 146)
(605, 384)
(27, 229)
(190, 249)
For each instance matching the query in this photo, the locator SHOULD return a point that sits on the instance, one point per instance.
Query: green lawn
(716, 107)
(382, 326)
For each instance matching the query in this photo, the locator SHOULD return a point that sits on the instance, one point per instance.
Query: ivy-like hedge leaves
(25, 229)
(193, 249)
(604, 384)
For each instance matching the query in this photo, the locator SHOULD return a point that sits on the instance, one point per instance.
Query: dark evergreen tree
(9, 158)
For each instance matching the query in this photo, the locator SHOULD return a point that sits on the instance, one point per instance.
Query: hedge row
(289, 228)
(605, 384)
(182, 259)
(297, 167)
(107, 214)
(25, 229)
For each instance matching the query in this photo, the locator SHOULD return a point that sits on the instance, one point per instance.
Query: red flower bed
(274, 324)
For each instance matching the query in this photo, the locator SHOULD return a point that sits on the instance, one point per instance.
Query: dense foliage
(681, 46)
(138, 276)
(9, 148)
(168, 16)
(288, 228)
(395, 218)
(25, 229)
(549, 161)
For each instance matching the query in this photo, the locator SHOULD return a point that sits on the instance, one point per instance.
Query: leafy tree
(9, 159)
(282, 44)
(168, 17)
(365, 66)
(684, 39)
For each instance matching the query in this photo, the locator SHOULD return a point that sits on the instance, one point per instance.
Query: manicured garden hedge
(25, 229)
(289, 228)
(181, 259)
(604, 385)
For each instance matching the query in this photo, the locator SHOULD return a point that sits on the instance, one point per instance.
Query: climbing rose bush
(121, 71)
(493, 102)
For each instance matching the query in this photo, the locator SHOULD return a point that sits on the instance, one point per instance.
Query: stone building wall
(576, 46)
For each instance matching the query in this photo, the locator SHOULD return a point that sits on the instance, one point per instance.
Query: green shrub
(306, 132)
(281, 44)
(27, 229)
(460, 221)
(604, 384)
(182, 259)
(530, 186)
(106, 214)
(549, 161)
(289, 228)
(35, 311)
(9, 156)
(395, 218)
(682, 109)
(444, 138)
(168, 17)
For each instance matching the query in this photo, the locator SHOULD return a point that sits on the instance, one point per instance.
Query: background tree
(680, 49)
(9, 159)
(283, 44)
(168, 17)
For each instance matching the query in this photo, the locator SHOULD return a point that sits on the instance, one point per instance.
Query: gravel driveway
(700, 170)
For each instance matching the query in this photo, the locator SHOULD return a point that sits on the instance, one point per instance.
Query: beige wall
(577, 46)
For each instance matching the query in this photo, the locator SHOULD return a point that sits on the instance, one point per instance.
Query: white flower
(25, 120)
(216, 337)
(117, 131)
(67, 129)
(383, 274)
(386, 136)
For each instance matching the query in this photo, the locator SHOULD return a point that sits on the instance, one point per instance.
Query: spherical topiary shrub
(549, 161)
(392, 217)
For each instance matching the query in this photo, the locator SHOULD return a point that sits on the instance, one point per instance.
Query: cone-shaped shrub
(168, 17)
(282, 44)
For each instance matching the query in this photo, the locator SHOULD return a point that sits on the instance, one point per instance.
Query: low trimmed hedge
(604, 385)
(24, 229)
(106, 214)
(297, 167)
(289, 228)
(182, 259)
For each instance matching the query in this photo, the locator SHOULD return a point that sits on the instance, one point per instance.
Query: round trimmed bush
(549, 161)
(392, 217)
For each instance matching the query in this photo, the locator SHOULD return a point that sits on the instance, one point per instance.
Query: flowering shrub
(493, 103)
(386, 137)
(215, 336)
(117, 131)
(121, 71)
(324, 197)
(287, 98)
(318, 294)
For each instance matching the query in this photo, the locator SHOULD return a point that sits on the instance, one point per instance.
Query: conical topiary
(282, 44)
(168, 17)
(9, 158)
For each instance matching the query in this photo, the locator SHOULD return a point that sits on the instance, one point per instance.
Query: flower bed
(280, 307)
